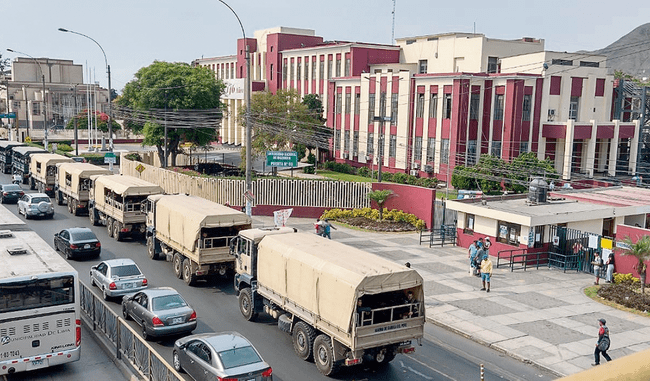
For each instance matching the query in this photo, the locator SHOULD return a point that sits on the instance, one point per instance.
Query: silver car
(117, 277)
(35, 205)
(160, 312)
(227, 355)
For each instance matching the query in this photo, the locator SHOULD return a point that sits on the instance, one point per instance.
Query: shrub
(63, 147)
(386, 176)
(625, 278)
(134, 156)
(363, 171)
(400, 177)
(308, 170)
(373, 214)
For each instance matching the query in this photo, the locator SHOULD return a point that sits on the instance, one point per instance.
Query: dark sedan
(77, 242)
(10, 193)
(160, 312)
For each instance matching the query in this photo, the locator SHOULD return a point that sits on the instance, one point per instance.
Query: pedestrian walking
(603, 342)
(328, 226)
(471, 254)
(610, 268)
(320, 227)
(598, 264)
(486, 272)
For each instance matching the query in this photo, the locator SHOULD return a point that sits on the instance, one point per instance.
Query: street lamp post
(247, 90)
(44, 98)
(110, 103)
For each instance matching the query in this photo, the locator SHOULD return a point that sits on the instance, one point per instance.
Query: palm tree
(640, 250)
(380, 197)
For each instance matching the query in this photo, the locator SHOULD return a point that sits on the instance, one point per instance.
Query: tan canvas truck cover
(180, 218)
(40, 162)
(123, 185)
(76, 173)
(326, 277)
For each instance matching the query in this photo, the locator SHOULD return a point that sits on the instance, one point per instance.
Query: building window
(394, 104)
(347, 141)
(271, 74)
(338, 67)
(589, 64)
(291, 71)
(409, 42)
(355, 143)
(370, 143)
(339, 101)
(321, 70)
(447, 106)
(523, 147)
(493, 65)
(422, 66)
(348, 103)
(357, 103)
(371, 108)
(306, 68)
(574, 105)
(557, 61)
(474, 103)
(338, 140)
(298, 66)
(417, 156)
(313, 70)
(392, 146)
(433, 106)
(36, 108)
(347, 67)
(469, 223)
(382, 105)
(525, 115)
(419, 108)
(471, 152)
(444, 151)
(496, 149)
(329, 69)
(508, 233)
(498, 107)
(431, 149)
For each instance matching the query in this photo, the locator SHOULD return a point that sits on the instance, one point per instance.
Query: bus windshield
(29, 294)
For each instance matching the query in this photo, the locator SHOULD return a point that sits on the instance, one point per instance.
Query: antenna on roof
(392, 38)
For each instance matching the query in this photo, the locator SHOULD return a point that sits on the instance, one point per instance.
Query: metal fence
(127, 344)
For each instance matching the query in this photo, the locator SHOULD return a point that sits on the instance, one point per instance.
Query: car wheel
(178, 265)
(109, 227)
(188, 276)
(246, 304)
(2, 200)
(56, 248)
(151, 248)
(92, 280)
(125, 313)
(324, 355)
(68, 254)
(176, 361)
(105, 295)
(303, 340)
(145, 335)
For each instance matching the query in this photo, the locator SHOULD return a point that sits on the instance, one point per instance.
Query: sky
(135, 33)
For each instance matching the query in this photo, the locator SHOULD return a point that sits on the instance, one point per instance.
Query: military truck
(6, 154)
(21, 158)
(340, 304)
(117, 202)
(72, 185)
(194, 234)
(42, 171)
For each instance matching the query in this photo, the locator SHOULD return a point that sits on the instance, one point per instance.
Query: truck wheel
(32, 184)
(188, 276)
(117, 227)
(246, 304)
(178, 265)
(303, 340)
(58, 197)
(93, 217)
(151, 248)
(324, 356)
(109, 227)
(75, 211)
(69, 205)
(382, 356)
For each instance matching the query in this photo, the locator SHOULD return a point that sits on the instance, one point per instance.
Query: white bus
(40, 322)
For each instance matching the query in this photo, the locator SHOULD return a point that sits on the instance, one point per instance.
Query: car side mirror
(94, 268)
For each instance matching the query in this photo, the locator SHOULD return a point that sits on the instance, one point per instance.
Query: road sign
(282, 158)
(109, 158)
(249, 196)
(28, 140)
(11, 115)
(140, 168)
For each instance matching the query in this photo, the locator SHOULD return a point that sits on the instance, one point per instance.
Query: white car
(36, 205)
(117, 277)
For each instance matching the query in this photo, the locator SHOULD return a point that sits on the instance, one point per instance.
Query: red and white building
(432, 102)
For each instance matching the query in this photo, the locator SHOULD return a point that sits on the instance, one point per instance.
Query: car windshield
(167, 302)
(233, 358)
(126, 270)
(36, 200)
(11, 187)
(82, 236)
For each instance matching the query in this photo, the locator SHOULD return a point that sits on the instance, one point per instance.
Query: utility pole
(74, 116)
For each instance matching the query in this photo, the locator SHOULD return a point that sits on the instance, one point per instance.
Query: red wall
(411, 199)
(624, 263)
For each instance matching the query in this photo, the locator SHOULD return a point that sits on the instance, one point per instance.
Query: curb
(486, 344)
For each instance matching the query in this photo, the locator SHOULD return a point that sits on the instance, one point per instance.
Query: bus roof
(38, 257)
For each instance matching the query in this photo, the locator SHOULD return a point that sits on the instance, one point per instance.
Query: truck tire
(188, 276)
(324, 355)
(303, 340)
(382, 356)
(32, 184)
(92, 215)
(246, 305)
(109, 227)
(151, 248)
(75, 211)
(177, 262)
(117, 231)
(284, 323)
(69, 204)
(58, 197)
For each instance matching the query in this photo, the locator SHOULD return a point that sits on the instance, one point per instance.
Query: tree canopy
(181, 90)
(102, 121)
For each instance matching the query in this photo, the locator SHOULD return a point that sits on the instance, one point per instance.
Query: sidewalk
(538, 316)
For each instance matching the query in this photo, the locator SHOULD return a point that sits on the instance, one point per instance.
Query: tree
(525, 166)
(180, 89)
(641, 251)
(102, 121)
(380, 197)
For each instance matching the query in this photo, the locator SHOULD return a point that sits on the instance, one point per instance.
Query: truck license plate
(37, 363)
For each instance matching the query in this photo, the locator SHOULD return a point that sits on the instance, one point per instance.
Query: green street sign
(11, 115)
(282, 158)
(109, 157)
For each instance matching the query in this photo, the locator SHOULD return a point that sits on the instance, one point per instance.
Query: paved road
(443, 355)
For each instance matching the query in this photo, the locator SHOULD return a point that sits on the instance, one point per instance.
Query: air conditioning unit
(415, 166)
(414, 172)
(346, 155)
(428, 169)
(551, 114)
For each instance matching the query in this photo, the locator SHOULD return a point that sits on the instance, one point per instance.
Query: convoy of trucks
(73, 183)
(116, 201)
(340, 304)
(42, 168)
(21, 159)
(6, 154)
(193, 233)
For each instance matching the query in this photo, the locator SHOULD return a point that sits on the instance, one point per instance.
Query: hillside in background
(631, 53)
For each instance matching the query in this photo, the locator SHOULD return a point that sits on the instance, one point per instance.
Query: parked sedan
(117, 277)
(220, 356)
(160, 312)
(36, 205)
(76, 242)
(10, 193)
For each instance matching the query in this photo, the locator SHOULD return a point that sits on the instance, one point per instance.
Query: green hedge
(398, 177)
(373, 214)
